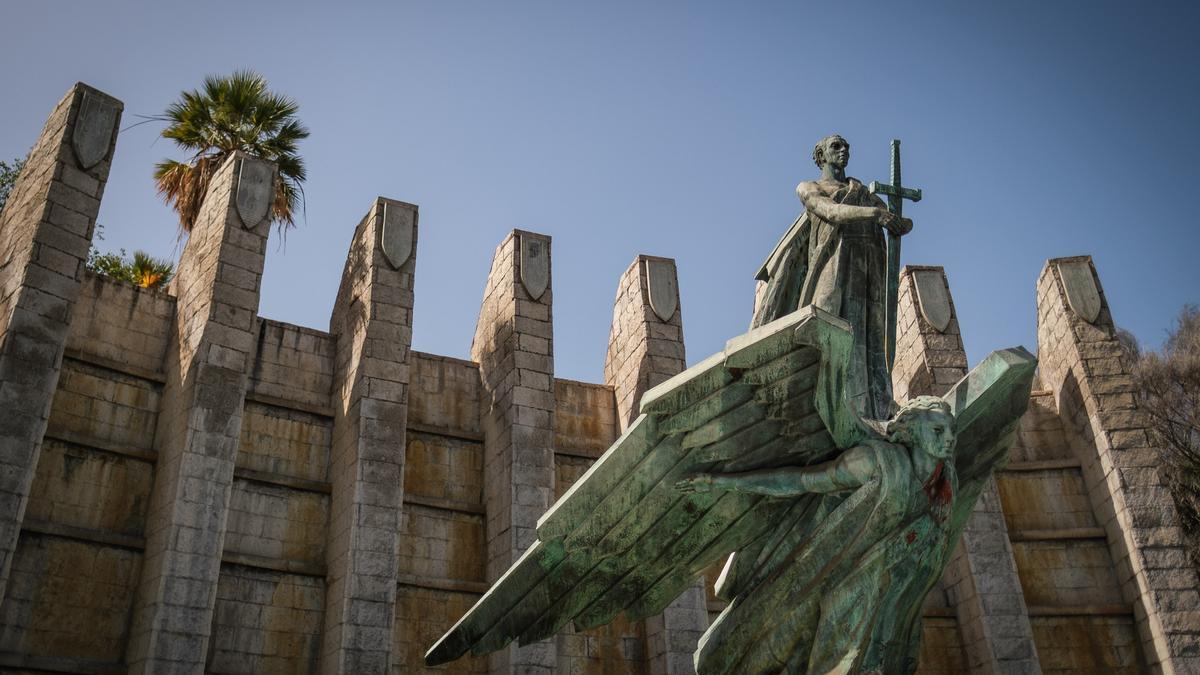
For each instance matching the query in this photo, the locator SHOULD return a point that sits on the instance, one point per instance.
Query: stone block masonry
(208, 362)
(645, 349)
(187, 486)
(992, 616)
(372, 321)
(514, 347)
(46, 229)
(1082, 364)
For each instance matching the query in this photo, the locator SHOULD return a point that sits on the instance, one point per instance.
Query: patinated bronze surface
(771, 455)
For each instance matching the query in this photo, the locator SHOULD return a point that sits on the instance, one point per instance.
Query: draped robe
(842, 269)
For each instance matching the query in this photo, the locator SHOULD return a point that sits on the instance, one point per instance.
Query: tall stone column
(1081, 361)
(982, 575)
(514, 346)
(217, 285)
(372, 321)
(645, 348)
(46, 229)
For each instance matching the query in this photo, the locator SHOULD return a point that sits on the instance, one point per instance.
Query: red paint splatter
(938, 487)
(910, 537)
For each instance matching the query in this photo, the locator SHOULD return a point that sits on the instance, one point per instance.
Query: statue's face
(934, 433)
(837, 152)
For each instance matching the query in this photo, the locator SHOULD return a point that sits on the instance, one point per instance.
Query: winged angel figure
(834, 530)
(834, 526)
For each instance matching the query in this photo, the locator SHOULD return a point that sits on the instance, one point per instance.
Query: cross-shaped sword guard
(911, 194)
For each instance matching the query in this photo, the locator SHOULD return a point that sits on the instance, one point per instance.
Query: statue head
(833, 149)
(925, 423)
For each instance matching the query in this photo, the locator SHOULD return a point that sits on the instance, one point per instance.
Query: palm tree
(228, 114)
(149, 272)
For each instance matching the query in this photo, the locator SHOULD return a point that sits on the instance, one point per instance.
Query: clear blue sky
(1036, 129)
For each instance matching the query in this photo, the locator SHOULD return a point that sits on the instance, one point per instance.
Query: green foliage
(8, 178)
(227, 114)
(1168, 387)
(141, 270)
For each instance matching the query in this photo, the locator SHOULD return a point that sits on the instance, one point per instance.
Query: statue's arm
(830, 211)
(852, 469)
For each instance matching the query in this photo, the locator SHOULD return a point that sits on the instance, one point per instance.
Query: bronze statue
(835, 257)
(770, 455)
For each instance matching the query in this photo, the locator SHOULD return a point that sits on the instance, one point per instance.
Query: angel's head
(924, 423)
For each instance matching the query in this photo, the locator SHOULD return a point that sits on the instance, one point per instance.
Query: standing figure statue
(771, 455)
(834, 257)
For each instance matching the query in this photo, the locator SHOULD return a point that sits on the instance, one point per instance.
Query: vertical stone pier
(372, 323)
(645, 344)
(514, 347)
(46, 229)
(211, 350)
(982, 576)
(1080, 361)
(645, 348)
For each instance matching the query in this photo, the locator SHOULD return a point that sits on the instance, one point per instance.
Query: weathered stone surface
(645, 348)
(399, 230)
(1080, 288)
(996, 638)
(45, 231)
(517, 375)
(255, 191)
(372, 323)
(1082, 368)
(198, 430)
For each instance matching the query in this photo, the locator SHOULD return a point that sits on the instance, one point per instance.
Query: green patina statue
(857, 611)
(771, 455)
(834, 257)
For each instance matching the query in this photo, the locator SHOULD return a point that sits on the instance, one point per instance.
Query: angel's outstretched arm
(853, 468)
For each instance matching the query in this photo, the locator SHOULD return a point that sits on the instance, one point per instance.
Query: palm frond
(228, 113)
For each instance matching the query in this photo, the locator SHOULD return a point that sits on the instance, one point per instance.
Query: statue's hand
(701, 482)
(895, 224)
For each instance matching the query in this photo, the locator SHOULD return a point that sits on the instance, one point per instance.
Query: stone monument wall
(193, 487)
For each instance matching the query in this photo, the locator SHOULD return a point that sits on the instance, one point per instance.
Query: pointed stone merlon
(645, 348)
(992, 615)
(46, 229)
(514, 347)
(1081, 362)
(929, 350)
(216, 285)
(645, 344)
(372, 322)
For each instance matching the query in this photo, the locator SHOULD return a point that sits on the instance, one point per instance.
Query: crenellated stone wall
(192, 487)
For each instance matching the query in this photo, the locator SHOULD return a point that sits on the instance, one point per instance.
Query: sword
(896, 194)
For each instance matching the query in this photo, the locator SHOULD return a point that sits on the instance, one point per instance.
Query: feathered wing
(623, 539)
(770, 580)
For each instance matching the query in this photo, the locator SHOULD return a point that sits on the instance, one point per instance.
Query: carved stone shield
(1080, 286)
(93, 130)
(664, 288)
(255, 185)
(398, 225)
(535, 264)
(932, 298)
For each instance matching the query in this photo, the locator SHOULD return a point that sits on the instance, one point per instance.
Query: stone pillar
(514, 347)
(645, 344)
(45, 231)
(645, 348)
(1081, 362)
(982, 576)
(216, 286)
(372, 321)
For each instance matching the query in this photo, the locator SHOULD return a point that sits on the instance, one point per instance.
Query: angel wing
(623, 539)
